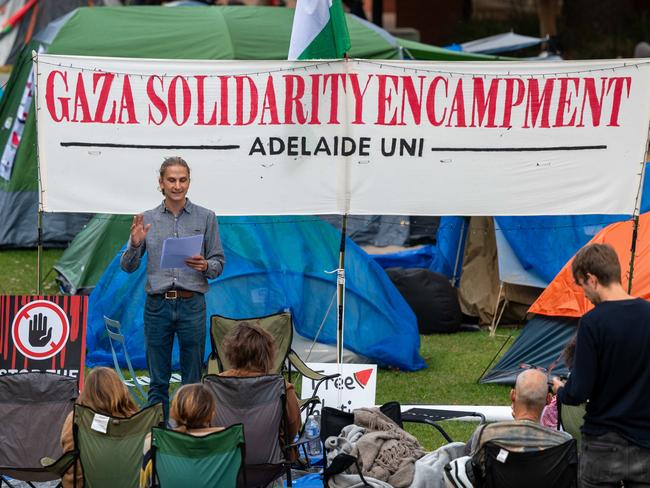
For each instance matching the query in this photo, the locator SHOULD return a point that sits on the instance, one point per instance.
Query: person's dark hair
(569, 352)
(251, 348)
(193, 407)
(599, 260)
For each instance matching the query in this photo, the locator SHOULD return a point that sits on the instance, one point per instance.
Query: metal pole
(39, 250)
(635, 233)
(340, 292)
(635, 225)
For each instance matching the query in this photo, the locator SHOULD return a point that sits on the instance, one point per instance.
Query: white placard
(355, 388)
(100, 423)
(350, 136)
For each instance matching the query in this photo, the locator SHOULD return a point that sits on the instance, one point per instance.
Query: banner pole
(39, 248)
(340, 292)
(635, 225)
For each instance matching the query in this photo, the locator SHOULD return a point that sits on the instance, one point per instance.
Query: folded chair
(115, 336)
(280, 326)
(33, 408)
(258, 403)
(114, 457)
(214, 460)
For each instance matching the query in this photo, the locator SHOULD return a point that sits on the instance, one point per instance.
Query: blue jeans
(608, 459)
(163, 318)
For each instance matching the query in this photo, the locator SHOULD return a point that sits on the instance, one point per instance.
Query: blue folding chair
(114, 331)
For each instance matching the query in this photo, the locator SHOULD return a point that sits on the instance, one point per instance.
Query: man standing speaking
(175, 296)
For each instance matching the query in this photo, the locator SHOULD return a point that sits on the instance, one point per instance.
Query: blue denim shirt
(192, 220)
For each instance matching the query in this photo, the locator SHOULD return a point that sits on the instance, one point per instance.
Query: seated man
(525, 433)
(529, 397)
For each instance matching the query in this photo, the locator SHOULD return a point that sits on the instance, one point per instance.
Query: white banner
(356, 136)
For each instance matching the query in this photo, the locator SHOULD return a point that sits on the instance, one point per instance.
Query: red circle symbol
(54, 325)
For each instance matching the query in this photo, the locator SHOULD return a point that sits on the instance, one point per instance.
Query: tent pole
(635, 225)
(460, 246)
(340, 292)
(635, 232)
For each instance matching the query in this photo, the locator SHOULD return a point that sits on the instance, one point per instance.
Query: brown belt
(175, 294)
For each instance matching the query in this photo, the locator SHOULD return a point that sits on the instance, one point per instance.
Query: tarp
(564, 298)
(274, 264)
(196, 33)
(287, 128)
(501, 43)
(417, 50)
(539, 344)
(444, 257)
(481, 287)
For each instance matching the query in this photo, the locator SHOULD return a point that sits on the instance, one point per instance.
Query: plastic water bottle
(312, 432)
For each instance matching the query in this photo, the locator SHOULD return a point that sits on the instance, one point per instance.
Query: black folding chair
(555, 466)
(33, 408)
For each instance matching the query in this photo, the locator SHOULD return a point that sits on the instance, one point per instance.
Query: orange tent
(562, 297)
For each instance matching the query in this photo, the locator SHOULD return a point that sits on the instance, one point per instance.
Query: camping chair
(555, 466)
(571, 418)
(209, 461)
(280, 326)
(114, 331)
(33, 409)
(257, 402)
(112, 458)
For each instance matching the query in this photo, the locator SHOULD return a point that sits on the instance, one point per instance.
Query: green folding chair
(113, 458)
(114, 331)
(280, 326)
(571, 418)
(213, 460)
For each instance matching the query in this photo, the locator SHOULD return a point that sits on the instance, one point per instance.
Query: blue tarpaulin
(444, 257)
(545, 244)
(274, 264)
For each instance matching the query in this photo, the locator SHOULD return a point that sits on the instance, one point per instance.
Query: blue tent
(274, 264)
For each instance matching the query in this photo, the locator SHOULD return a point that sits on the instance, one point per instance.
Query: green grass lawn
(454, 361)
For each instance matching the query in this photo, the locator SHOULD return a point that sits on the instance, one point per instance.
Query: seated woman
(192, 409)
(251, 350)
(105, 393)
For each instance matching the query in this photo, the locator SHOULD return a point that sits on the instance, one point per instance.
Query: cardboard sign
(355, 388)
(43, 334)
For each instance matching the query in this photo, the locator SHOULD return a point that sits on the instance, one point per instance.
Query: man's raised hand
(138, 230)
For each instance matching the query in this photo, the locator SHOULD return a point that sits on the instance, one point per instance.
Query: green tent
(177, 33)
(83, 263)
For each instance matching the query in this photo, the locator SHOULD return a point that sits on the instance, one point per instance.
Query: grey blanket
(389, 457)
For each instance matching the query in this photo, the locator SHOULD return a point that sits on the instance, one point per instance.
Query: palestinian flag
(319, 30)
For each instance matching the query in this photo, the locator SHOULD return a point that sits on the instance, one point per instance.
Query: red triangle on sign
(362, 377)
